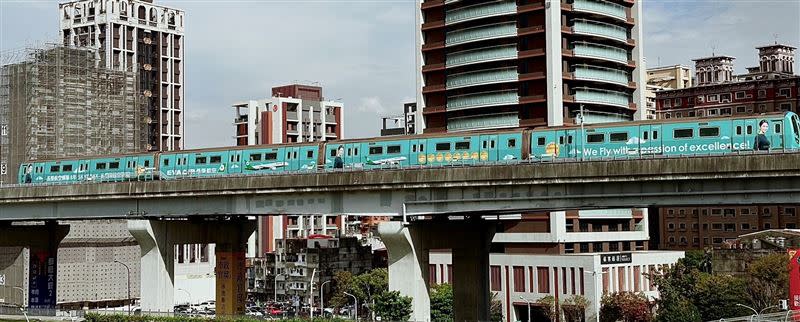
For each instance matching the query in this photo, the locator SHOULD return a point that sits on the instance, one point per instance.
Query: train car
(246, 160)
(690, 136)
(423, 150)
(93, 169)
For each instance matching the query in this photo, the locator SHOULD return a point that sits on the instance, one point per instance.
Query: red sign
(794, 279)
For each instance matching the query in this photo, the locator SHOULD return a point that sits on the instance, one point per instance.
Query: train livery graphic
(689, 136)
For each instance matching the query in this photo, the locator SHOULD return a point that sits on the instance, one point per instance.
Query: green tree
(679, 310)
(574, 308)
(391, 306)
(343, 281)
(767, 278)
(495, 308)
(367, 286)
(548, 303)
(716, 297)
(442, 303)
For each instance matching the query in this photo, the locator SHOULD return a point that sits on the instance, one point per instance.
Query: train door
(645, 141)
(235, 161)
(775, 134)
(308, 157)
(182, 165)
(415, 155)
(167, 167)
(292, 154)
(569, 147)
(488, 147)
(750, 132)
(544, 145)
(738, 139)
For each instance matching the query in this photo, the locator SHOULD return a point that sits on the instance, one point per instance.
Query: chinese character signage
(231, 283)
(794, 279)
(617, 258)
(42, 280)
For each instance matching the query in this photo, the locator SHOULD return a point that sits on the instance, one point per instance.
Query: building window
(667, 103)
(677, 102)
(785, 92)
(683, 240)
(762, 108)
(767, 225)
(584, 247)
(695, 226)
(597, 247)
(745, 226)
(695, 241)
(713, 98)
(786, 106)
(740, 109)
(740, 95)
(682, 226)
(730, 227)
(613, 246)
(725, 98)
(762, 93)
(519, 279)
(705, 226)
(789, 211)
(543, 279)
(569, 248)
(671, 239)
(495, 277)
(717, 240)
(716, 226)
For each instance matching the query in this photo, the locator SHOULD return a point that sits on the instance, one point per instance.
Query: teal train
(677, 137)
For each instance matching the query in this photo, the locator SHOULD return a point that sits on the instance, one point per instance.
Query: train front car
(791, 123)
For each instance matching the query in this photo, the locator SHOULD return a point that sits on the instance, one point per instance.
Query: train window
(462, 145)
(255, 157)
(484, 146)
(349, 151)
(294, 156)
(540, 141)
(683, 133)
(644, 135)
(270, 156)
(777, 128)
(796, 125)
(134, 164)
(66, 168)
(491, 144)
(102, 166)
(421, 148)
(333, 153)
(166, 162)
(355, 151)
(749, 130)
(393, 149)
(214, 159)
(54, 168)
(288, 155)
(655, 135)
(595, 138)
(446, 146)
(738, 130)
(512, 143)
(200, 160)
(569, 139)
(113, 165)
(708, 131)
(561, 140)
(414, 148)
(618, 137)
(375, 150)
(146, 163)
(309, 154)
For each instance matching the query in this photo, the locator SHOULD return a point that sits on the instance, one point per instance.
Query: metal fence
(784, 316)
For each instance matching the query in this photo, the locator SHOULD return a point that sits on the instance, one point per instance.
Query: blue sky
(362, 52)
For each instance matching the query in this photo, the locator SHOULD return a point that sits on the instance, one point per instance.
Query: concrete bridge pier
(409, 246)
(43, 241)
(157, 240)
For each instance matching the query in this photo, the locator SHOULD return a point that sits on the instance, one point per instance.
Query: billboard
(794, 279)
(231, 283)
(42, 280)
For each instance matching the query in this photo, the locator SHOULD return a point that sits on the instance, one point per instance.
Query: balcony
(491, 76)
(602, 74)
(481, 55)
(330, 118)
(605, 97)
(590, 50)
(594, 28)
(291, 116)
(482, 100)
(480, 33)
(601, 7)
(480, 11)
(483, 122)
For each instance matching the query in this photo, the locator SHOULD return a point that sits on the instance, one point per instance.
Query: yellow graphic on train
(465, 155)
(552, 149)
(439, 157)
(484, 155)
(474, 155)
(421, 158)
(447, 156)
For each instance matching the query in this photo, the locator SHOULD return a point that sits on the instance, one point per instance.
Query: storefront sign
(617, 258)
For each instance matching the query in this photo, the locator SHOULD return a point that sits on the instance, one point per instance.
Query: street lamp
(311, 295)
(190, 297)
(129, 284)
(751, 309)
(356, 305)
(22, 302)
(321, 302)
(529, 307)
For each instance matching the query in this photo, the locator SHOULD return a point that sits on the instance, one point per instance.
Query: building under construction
(58, 102)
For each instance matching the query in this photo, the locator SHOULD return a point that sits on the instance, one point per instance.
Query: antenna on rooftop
(775, 35)
(713, 50)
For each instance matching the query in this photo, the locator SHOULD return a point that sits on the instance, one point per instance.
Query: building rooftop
(776, 45)
(715, 57)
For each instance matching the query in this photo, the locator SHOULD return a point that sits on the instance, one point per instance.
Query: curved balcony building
(528, 63)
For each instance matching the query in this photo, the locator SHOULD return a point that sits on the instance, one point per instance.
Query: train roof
(663, 121)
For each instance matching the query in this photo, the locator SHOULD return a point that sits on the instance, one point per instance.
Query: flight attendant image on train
(338, 163)
(762, 142)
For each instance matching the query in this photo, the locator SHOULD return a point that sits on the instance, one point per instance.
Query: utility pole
(129, 284)
(583, 134)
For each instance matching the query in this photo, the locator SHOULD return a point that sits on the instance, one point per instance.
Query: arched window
(66, 13)
(142, 14)
(153, 14)
(77, 12)
(123, 8)
(171, 19)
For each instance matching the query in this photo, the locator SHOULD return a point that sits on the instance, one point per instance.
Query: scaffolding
(60, 102)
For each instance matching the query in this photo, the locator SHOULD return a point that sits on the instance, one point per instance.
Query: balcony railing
(594, 28)
(480, 33)
(480, 11)
(601, 74)
(481, 55)
(482, 77)
(601, 7)
(482, 99)
(291, 116)
(601, 51)
(587, 95)
(483, 122)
